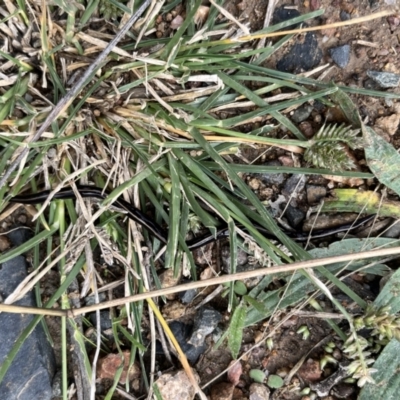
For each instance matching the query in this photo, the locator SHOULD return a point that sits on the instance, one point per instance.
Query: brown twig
(320, 27)
(198, 284)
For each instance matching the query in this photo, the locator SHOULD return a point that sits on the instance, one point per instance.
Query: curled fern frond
(327, 147)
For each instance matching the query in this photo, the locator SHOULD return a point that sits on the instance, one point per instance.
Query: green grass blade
(31, 243)
(174, 215)
(235, 330)
(173, 43)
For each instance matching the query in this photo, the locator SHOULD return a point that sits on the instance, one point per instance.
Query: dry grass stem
(354, 21)
(213, 281)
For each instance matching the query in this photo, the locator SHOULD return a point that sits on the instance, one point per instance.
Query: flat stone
(294, 185)
(182, 333)
(31, 372)
(282, 14)
(258, 391)
(294, 216)
(340, 55)
(176, 386)
(385, 79)
(302, 56)
(187, 296)
(272, 179)
(105, 320)
(302, 113)
(344, 16)
(393, 231)
(206, 321)
(19, 236)
(241, 259)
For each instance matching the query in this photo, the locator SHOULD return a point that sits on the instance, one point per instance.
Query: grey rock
(302, 56)
(182, 334)
(340, 55)
(294, 185)
(57, 384)
(187, 296)
(344, 16)
(294, 216)
(91, 299)
(241, 259)
(272, 179)
(385, 79)
(19, 235)
(31, 372)
(302, 113)
(285, 14)
(206, 321)
(105, 320)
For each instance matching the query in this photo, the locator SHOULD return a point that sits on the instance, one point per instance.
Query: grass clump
(159, 121)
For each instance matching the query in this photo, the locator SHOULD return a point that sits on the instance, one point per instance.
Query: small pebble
(344, 16)
(340, 55)
(161, 27)
(315, 5)
(302, 113)
(176, 385)
(4, 243)
(385, 79)
(306, 129)
(258, 391)
(176, 22)
(254, 183)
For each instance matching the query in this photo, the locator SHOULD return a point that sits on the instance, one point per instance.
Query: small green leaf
(257, 375)
(389, 295)
(349, 109)
(240, 288)
(235, 330)
(387, 378)
(383, 159)
(275, 382)
(258, 305)
(369, 201)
